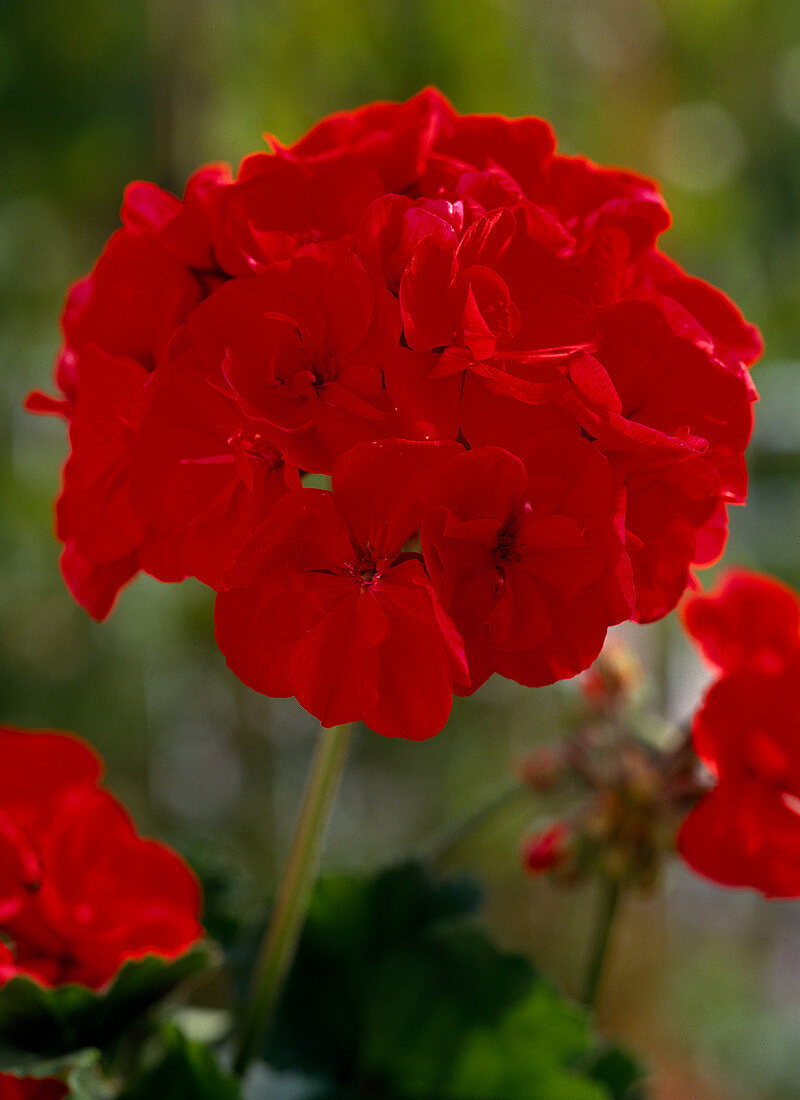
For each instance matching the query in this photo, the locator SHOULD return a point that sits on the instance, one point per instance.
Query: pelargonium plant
(422, 400)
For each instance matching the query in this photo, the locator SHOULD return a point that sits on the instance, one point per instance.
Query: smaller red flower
(746, 831)
(327, 604)
(748, 621)
(106, 895)
(80, 892)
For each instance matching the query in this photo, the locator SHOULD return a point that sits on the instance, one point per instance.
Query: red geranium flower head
(402, 273)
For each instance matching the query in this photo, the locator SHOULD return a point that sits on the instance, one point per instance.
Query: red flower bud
(547, 849)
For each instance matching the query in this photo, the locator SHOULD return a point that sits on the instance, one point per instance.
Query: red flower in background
(746, 831)
(404, 272)
(80, 892)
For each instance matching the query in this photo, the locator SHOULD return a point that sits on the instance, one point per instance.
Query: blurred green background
(702, 94)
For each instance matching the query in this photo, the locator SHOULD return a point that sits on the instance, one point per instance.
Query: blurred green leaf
(397, 993)
(187, 1071)
(51, 1022)
(619, 1071)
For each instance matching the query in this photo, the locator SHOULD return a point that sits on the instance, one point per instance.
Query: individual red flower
(80, 892)
(748, 621)
(327, 604)
(746, 831)
(395, 138)
(203, 474)
(527, 556)
(301, 347)
(281, 202)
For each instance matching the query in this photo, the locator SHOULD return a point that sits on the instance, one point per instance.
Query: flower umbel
(403, 276)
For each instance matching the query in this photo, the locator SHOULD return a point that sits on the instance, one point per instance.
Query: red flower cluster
(403, 290)
(80, 891)
(746, 831)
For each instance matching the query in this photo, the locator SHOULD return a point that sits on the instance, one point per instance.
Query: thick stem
(294, 895)
(608, 900)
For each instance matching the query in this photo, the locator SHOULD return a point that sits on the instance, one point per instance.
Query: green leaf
(187, 1071)
(397, 993)
(86, 1083)
(25, 1064)
(621, 1073)
(49, 1023)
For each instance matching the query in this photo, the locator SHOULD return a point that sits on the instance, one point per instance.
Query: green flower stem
(443, 848)
(608, 903)
(294, 895)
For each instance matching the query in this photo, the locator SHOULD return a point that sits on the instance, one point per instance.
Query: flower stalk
(608, 904)
(444, 847)
(294, 895)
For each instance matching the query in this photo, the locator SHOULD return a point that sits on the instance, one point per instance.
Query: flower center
(366, 569)
(506, 552)
(313, 376)
(367, 572)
